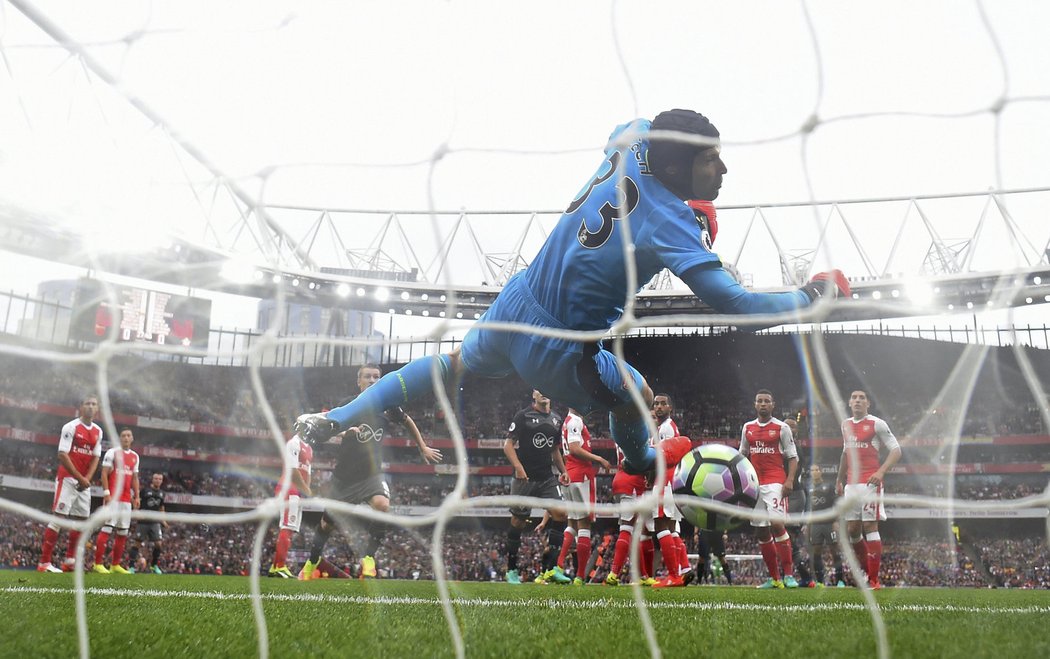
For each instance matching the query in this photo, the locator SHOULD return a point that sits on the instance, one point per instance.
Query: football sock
(683, 553)
(874, 542)
(623, 547)
(860, 548)
(284, 541)
(726, 572)
(100, 547)
(513, 545)
(156, 555)
(50, 538)
(71, 550)
(769, 555)
(320, 538)
(567, 542)
(376, 533)
(583, 552)
(783, 548)
(818, 563)
(633, 439)
(555, 530)
(669, 552)
(119, 542)
(393, 389)
(648, 550)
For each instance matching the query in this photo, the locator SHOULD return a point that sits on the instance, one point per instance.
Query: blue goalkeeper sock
(633, 439)
(393, 389)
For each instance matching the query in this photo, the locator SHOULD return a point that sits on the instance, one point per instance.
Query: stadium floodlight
(876, 295)
(237, 272)
(382, 294)
(426, 312)
(424, 297)
(1037, 280)
(920, 293)
(342, 290)
(295, 281)
(360, 292)
(404, 295)
(276, 278)
(1028, 300)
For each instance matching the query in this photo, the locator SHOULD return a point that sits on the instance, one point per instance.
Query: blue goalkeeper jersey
(579, 275)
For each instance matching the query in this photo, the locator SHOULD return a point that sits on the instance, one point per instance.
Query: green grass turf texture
(206, 616)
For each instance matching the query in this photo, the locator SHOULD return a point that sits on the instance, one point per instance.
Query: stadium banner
(901, 512)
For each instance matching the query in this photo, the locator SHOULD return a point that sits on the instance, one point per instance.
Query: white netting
(904, 144)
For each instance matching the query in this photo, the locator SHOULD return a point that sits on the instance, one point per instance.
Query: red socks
(874, 556)
(284, 541)
(118, 548)
(769, 555)
(100, 547)
(783, 549)
(50, 538)
(583, 552)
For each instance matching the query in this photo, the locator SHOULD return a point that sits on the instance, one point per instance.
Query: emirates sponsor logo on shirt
(763, 449)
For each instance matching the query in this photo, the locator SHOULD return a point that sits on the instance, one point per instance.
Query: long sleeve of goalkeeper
(712, 284)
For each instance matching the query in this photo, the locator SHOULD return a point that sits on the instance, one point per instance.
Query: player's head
(156, 480)
(368, 375)
(816, 474)
(89, 407)
(791, 423)
(690, 171)
(859, 403)
(126, 438)
(540, 402)
(662, 407)
(764, 404)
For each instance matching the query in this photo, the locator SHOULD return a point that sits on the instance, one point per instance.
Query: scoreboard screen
(139, 314)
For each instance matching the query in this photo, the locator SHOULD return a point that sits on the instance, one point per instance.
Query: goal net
(214, 216)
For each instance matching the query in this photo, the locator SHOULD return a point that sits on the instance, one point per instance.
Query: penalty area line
(550, 603)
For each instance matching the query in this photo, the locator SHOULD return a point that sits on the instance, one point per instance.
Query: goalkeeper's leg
(392, 390)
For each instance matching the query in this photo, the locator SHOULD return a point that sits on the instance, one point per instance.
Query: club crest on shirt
(365, 433)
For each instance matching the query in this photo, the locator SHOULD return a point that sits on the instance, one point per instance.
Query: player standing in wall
(582, 466)
(533, 451)
(358, 475)
(298, 457)
(153, 500)
(861, 476)
(797, 504)
(578, 281)
(822, 534)
(116, 461)
(768, 443)
(79, 450)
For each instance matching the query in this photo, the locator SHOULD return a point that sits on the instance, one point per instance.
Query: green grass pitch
(187, 616)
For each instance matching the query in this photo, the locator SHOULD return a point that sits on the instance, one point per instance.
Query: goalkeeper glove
(819, 286)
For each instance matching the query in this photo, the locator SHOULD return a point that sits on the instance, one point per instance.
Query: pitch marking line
(819, 607)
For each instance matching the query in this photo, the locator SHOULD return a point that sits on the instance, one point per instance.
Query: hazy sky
(492, 105)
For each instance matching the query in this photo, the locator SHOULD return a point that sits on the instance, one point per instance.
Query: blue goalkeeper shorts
(581, 375)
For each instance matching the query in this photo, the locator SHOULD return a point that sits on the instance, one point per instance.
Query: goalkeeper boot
(612, 580)
(368, 568)
(315, 428)
(309, 571)
(117, 568)
(513, 578)
(100, 568)
(789, 581)
(557, 575)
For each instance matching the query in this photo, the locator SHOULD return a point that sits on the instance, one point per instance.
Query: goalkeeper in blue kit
(578, 281)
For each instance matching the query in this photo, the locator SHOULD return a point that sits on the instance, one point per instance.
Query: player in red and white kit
(767, 442)
(118, 460)
(863, 435)
(79, 450)
(626, 488)
(298, 458)
(666, 517)
(582, 466)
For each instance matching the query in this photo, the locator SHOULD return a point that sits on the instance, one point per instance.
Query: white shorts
(626, 516)
(70, 501)
(122, 518)
(292, 513)
(665, 507)
(582, 492)
(772, 502)
(870, 510)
